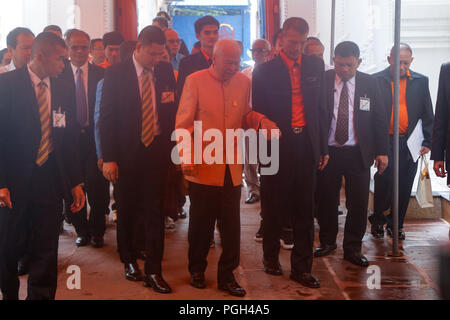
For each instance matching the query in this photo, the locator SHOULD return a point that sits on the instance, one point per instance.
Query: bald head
(406, 59)
(226, 58)
(227, 47)
(173, 42)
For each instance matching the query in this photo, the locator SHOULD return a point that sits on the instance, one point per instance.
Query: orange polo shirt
(402, 108)
(105, 64)
(298, 108)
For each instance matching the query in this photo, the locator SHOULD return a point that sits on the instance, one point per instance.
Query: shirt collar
(83, 68)
(351, 81)
(11, 66)
(289, 62)
(207, 58)
(36, 80)
(139, 67)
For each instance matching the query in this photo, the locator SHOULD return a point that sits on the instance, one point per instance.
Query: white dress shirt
(248, 72)
(139, 70)
(35, 81)
(8, 68)
(338, 85)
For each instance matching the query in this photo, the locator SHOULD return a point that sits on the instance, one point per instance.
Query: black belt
(400, 136)
(298, 130)
(343, 147)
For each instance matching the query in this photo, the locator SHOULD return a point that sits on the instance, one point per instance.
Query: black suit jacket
(272, 96)
(189, 65)
(371, 127)
(20, 134)
(441, 135)
(95, 74)
(120, 120)
(418, 102)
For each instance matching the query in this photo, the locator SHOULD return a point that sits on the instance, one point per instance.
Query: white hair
(225, 44)
(267, 43)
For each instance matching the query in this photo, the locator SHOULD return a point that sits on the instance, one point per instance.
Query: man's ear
(197, 36)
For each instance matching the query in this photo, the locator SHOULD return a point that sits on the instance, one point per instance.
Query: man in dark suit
(441, 144)
(357, 135)
(207, 32)
(415, 103)
(137, 117)
(289, 91)
(83, 78)
(38, 164)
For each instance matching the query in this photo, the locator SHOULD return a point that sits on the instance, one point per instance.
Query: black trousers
(139, 191)
(42, 209)
(347, 162)
(383, 186)
(97, 189)
(208, 204)
(292, 187)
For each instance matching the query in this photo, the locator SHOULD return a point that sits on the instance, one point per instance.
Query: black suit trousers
(139, 192)
(292, 187)
(347, 162)
(97, 189)
(208, 204)
(43, 210)
(383, 186)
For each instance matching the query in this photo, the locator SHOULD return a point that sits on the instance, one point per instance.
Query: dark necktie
(82, 115)
(341, 134)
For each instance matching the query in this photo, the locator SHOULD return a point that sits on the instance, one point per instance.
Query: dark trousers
(347, 162)
(384, 186)
(292, 187)
(97, 189)
(42, 209)
(208, 204)
(139, 191)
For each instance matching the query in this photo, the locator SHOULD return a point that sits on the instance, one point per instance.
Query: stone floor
(412, 276)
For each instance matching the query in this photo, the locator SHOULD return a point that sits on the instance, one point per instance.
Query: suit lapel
(356, 101)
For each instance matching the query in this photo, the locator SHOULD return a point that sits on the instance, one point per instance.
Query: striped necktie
(45, 146)
(147, 134)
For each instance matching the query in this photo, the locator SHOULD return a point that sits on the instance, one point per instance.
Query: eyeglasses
(174, 41)
(259, 50)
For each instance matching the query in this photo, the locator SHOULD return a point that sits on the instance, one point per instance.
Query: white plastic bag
(424, 194)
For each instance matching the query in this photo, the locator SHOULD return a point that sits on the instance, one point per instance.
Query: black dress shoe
(306, 279)
(390, 233)
(233, 288)
(82, 241)
(157, 282)
(357, 259)
(273, 268)
(324, 250)
(132, 272)
(252, 198)
(198, 280)
(377, 231)
(97, 242)
(23, 267)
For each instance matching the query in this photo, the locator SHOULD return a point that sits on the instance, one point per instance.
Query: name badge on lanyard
(59, 119)
(364, 103)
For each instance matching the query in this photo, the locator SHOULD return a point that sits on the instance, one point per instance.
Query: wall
(94, 16)
(370, 23)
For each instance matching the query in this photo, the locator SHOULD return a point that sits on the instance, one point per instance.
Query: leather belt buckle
(298, 130)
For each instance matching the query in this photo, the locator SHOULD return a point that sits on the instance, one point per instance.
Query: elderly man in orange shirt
(218, 99)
